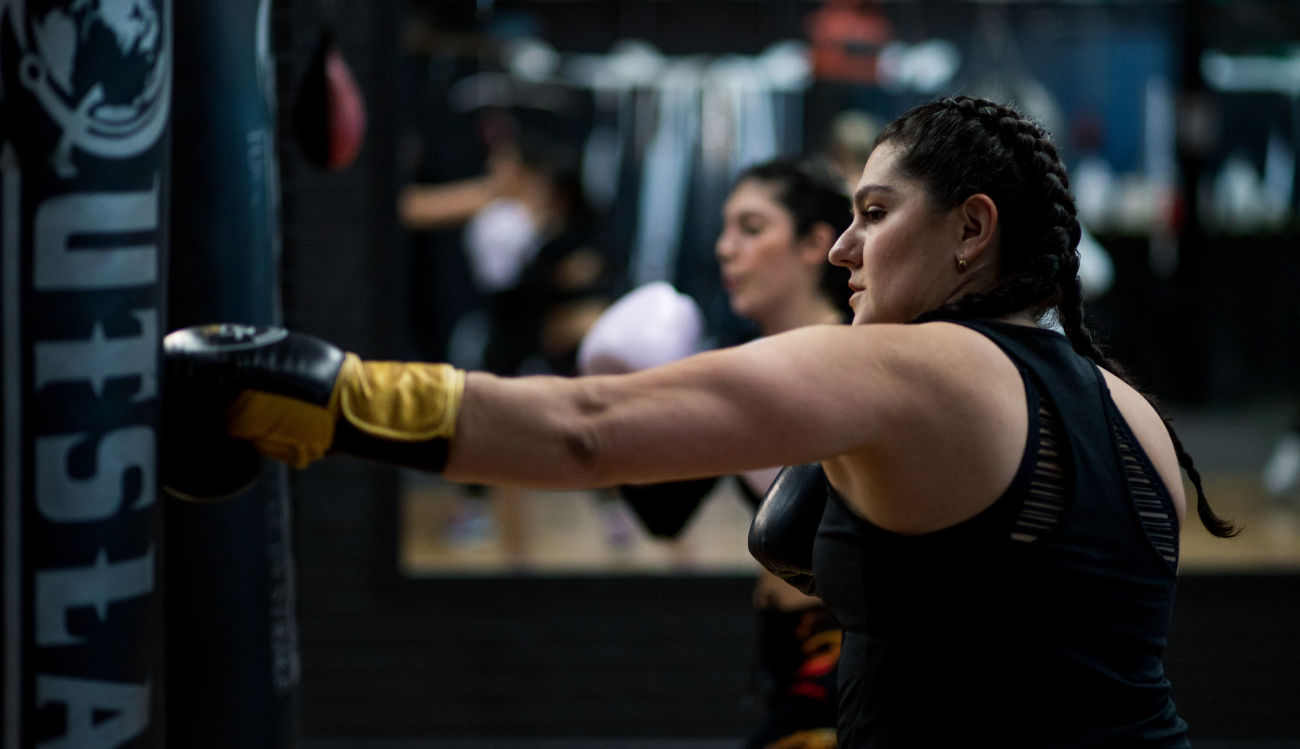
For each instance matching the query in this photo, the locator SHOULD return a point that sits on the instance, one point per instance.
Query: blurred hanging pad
(330, 115)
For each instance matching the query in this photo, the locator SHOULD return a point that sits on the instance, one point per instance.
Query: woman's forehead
(879, 169)
(880, 177)
(753, 195)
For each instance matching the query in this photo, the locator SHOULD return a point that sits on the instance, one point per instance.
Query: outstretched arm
(794, 398)
(807, 395)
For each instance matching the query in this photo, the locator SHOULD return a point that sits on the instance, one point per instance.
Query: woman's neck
(812, 310)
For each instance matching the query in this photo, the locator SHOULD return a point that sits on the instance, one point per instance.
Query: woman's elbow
(583, 460)
(587, 459)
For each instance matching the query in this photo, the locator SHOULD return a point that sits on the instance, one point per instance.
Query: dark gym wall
(338, 235)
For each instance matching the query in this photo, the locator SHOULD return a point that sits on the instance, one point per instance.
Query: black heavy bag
(83, 251)
(231, 647)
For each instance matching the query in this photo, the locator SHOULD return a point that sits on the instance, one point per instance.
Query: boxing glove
(236, 392)
(785, 526)
(649, 326)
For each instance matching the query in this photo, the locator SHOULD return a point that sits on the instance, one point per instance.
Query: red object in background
(846, 37)
(330, 115)
(1177, 211)
(347, 112)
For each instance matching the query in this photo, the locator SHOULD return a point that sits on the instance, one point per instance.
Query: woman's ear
(816, 244)
(978, 216)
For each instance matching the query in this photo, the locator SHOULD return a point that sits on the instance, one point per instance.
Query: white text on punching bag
(88, 699)
(96, 586)
(100, 358)
(65, 499)
(59, 265)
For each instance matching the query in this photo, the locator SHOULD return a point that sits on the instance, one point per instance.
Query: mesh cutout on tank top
(1157, 516)
(1049, 491)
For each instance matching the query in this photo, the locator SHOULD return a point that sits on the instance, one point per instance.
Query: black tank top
(1039, 622)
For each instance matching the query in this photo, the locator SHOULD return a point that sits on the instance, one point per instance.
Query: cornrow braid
(961, 146)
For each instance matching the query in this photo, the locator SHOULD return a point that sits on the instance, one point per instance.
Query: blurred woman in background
(528, 241)
(779, 224)
(527, 237)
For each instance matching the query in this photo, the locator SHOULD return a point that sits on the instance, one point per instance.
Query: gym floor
(449, 529)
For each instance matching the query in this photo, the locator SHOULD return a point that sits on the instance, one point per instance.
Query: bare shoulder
(896, 373)
(938, 348)
(934, 389)
(1150, 431)
(906, 358)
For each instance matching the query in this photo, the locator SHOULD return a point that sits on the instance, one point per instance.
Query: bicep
(778, 401)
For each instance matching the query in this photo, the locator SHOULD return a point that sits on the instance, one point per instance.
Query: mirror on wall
(555, 156)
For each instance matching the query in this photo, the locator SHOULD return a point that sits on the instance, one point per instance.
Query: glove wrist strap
(399, 401)
(430, 455)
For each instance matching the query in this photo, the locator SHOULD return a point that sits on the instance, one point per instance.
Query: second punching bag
(231, 647)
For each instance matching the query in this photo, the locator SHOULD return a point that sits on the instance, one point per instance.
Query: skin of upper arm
(797, 397)
(1150, 431)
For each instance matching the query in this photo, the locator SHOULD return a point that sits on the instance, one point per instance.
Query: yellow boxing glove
(398, 402)
(401, 402)
(292, 397)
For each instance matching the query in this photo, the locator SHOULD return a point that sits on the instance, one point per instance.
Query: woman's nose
(725, 246)
(847, 250)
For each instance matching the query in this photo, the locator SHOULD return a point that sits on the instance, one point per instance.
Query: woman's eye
(872, 215)
(751, 229)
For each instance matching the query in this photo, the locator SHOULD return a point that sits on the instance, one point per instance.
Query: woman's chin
(742, 310)
(861, 311)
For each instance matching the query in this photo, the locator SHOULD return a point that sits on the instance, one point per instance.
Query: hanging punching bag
(232, 668)
(329, 115)
(84, 105)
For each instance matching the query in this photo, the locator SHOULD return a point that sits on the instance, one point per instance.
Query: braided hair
(962, 146)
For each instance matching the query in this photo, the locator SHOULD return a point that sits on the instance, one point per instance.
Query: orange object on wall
(846, 36)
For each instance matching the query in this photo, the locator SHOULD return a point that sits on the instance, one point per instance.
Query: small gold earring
(962, 264)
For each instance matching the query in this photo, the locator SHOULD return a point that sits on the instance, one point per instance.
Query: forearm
(527, 431)
(698, 417)
(564, 433)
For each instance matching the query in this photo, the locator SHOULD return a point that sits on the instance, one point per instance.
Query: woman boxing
(778, 225)
(999, 541)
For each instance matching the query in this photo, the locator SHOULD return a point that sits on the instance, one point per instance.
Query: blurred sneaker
(620, 526)
(470, 523)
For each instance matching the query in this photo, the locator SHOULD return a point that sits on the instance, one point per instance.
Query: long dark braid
(962, 146)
